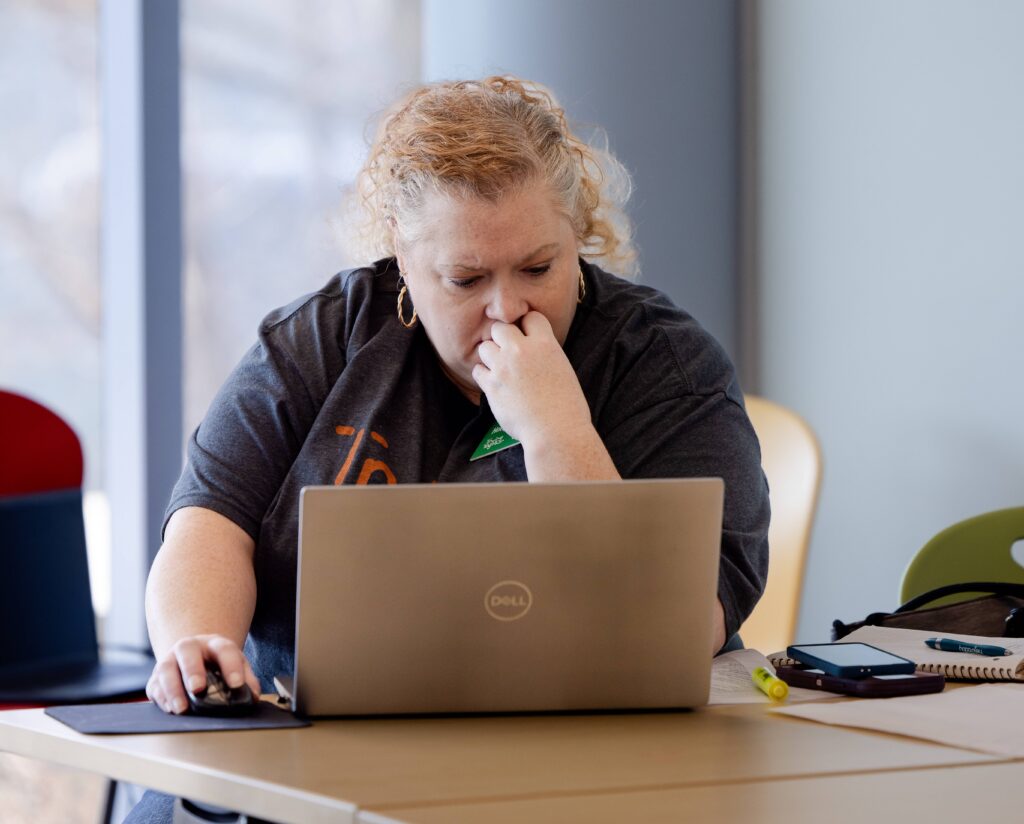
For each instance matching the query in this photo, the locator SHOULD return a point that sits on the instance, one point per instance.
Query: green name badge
(495, 440)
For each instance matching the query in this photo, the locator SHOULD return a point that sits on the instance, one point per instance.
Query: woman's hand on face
(530, 385)
(185, 664)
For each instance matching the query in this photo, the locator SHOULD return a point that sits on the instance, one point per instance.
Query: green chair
(977, 549)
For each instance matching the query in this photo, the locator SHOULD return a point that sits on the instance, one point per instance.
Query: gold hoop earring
(401, 317)
(583, 288)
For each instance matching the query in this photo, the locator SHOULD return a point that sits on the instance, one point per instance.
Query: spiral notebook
(957, 666)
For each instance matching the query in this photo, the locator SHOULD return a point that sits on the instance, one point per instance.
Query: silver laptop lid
(506, 597)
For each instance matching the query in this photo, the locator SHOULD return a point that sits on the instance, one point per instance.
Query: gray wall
(661, 77)
(891, 239)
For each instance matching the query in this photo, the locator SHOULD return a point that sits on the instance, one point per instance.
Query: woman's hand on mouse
(185, 664)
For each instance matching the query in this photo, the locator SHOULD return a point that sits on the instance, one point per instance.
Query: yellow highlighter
(771, 686)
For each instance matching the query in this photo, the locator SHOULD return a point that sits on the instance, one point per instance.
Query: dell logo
(508, 600)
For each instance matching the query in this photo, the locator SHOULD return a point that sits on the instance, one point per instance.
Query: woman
(484, 309)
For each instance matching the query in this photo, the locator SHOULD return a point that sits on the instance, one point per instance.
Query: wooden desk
(436, 768)
(935, 794)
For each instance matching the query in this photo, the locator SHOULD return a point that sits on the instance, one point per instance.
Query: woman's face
(476, 263)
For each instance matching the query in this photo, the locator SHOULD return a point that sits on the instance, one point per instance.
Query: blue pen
(952, 645)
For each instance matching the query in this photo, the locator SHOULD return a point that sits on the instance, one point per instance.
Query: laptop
(519, 597)
(48, 646)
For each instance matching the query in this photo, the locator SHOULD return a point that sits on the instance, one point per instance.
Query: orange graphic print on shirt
(370, 465)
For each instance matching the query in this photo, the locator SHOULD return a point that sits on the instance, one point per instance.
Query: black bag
(998, 614)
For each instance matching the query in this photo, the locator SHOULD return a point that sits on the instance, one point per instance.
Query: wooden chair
(791, 458)
(978, 549)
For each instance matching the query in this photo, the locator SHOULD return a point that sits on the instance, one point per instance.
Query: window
(275, 99)
(49, 232)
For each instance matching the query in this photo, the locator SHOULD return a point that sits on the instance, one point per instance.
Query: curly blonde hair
(488, 138)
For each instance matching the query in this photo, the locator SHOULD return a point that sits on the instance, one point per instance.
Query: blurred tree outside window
(275, 100)
(49, 232)
(276, 97)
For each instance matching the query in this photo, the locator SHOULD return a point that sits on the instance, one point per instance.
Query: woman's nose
(506, 304)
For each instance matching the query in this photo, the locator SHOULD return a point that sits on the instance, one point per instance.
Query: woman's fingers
(229, 660)
(186, 664)
(505, 334)
(188, 653)
(153, 691)
(487, 352)
(535, 323)
(171, 690)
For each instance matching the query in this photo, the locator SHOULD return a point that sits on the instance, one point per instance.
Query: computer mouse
(218, 698)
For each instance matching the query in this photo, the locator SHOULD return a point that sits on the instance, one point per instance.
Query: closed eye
(466, 283)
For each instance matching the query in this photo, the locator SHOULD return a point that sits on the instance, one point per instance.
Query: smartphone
(850, 660)
(872, 686)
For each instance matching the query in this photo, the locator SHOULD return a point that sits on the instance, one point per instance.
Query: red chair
(39, 452)
(49, 652)
(53, 656)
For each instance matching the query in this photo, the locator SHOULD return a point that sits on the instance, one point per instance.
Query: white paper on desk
(731, 681)
(985, 717)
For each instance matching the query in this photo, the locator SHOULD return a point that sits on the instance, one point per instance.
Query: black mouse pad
(146, 717)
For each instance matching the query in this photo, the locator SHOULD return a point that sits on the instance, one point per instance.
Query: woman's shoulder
(617, 299)
(347, 295)
(321, 332)
(641, 325)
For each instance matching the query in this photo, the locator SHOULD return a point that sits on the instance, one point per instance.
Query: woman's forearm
(202, 581)
(575, 455)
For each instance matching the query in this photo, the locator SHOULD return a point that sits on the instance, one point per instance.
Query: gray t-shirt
(336, 390)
